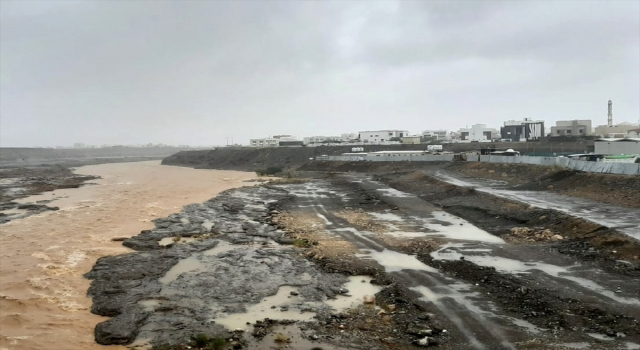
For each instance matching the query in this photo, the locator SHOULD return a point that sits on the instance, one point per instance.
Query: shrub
(200, 340)
(216, 344)
(300, 243)
(281, 338)
(272, 170)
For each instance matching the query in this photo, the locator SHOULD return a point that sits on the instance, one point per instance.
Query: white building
(380, 136)
(348, 137)
(442, 135)
(478, 133)
(312, 140)
(267, 142)
(522, 130)
(619, 130)
(273, 141)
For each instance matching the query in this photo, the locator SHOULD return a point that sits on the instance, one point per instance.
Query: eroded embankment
(583, 239)
(260, 158)
(620, 190)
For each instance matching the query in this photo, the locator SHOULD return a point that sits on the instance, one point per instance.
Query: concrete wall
(581, 165)
(617, 147)
(397, 158)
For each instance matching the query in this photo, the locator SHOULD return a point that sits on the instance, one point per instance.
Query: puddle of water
(207, 224)
(392, 192)
(576, 345)
(263, 310)
(454, 227)
(358, 287)
(193, 262)
(305, 277)
(393, 261)
(600, 336)
(149, 304)
(169, 240)
(324, 218)
(386, 216)
(446, 252)
(407, 234)
(296, 340)
(530, 327)
(223, 246)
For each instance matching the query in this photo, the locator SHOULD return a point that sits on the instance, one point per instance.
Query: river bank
(299, 252)
(43, 257)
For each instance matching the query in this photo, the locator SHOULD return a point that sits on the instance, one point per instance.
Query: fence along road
(581, 165)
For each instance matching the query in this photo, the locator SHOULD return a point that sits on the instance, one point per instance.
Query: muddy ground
(613, 189)
(619, 190)
(16, 183)
(450, 267)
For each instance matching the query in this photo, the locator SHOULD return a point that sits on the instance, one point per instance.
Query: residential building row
(512, 131)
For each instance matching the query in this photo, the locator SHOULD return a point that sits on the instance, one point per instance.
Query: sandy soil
(43, 257)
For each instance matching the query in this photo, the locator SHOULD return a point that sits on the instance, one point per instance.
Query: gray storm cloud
(197, 72)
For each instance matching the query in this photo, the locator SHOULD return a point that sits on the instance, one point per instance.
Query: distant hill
(34, 156)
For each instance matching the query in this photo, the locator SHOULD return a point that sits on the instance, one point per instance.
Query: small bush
(200, 340)
(216, 344)
(281, 338)
(300, 243)
(291, 174)
(272, 170)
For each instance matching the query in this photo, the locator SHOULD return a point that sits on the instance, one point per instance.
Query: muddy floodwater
(43, 298)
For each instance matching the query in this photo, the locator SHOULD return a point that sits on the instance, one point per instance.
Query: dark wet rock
(120, 330)
(227, 281)
(36, 207)
(8, 205)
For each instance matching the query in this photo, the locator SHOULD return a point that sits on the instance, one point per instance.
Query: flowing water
(43, 303)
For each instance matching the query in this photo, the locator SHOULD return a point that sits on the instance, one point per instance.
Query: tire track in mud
(470, 320)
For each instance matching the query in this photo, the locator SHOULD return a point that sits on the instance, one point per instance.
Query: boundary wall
(580, 165)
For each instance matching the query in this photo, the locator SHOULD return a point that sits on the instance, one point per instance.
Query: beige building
(410, 140)
(572, 128)
(619, 130)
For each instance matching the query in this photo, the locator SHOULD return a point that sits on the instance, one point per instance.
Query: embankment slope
(258, 158)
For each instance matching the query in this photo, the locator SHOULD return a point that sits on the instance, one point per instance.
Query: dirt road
(477, 314)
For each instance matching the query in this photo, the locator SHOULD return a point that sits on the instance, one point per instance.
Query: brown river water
(43, 302)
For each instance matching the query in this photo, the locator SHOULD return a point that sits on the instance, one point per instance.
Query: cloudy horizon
(199, 72)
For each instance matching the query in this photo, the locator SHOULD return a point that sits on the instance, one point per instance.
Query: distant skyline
(197, 72)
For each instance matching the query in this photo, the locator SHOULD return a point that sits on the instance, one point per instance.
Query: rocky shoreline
(246, 261)
(17, 183)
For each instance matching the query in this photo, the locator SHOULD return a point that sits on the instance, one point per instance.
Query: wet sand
(43, 301)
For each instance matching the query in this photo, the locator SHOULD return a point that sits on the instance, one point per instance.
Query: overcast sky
(197, 72)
